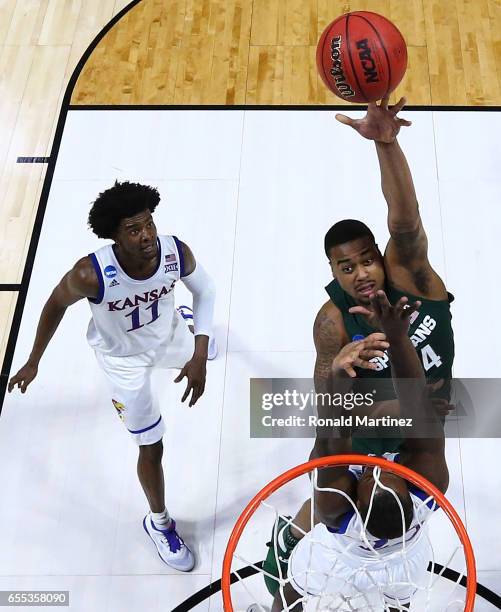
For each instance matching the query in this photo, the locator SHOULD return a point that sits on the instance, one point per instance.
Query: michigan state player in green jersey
(359, 270)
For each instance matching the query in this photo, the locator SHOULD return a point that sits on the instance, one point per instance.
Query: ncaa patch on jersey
(357, 337)
(110, 271)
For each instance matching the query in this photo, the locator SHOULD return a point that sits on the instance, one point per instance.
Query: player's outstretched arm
(333, 439)
(424, 454)
(407, 251)
(201, 286)
(81, 281)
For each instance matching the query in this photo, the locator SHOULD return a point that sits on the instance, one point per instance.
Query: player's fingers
(403, 122)
(376, 303)
(350, 371)
(406, 313)
(180, 376)
(442, 406)
(375, 347)
(396, 108)
(385, 101)
(400, 306)
(359, 310)
(201, 388)
(370, 353)
(376, 341)
(376, 336)
(14, 380)
(346, 120)
(189, 387)
(382, 298)
(194, 396)
(197, 391)
(366, 365)
(382, 301)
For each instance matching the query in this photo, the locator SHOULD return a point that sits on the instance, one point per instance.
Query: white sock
(161, 520)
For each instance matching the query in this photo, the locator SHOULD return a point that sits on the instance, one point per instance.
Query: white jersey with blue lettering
(131, 316)
(351, 533)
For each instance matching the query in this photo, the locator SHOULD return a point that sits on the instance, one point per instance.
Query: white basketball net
(335, 575)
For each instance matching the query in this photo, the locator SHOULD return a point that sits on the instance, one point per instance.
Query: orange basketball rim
(395, 468)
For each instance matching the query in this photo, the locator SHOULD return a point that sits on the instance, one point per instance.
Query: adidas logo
(114, 283)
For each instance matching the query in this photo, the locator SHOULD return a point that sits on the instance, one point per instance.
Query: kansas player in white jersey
(374, 563)
(134, 327)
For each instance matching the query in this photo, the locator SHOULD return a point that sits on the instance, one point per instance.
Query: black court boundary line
(10, 287)
(37, 225)
(268, 107)
(250, 570)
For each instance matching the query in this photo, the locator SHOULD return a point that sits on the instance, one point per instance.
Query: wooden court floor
(181, 52)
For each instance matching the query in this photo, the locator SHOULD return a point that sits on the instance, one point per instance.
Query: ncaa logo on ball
(367, 61)
(110, 271)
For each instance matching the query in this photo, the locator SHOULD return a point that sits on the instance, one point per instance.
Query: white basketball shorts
(130, 381)
(318, 567)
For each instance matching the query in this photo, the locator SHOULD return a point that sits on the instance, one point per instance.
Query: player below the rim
(135, 327)
(317, 566)
(359, 269)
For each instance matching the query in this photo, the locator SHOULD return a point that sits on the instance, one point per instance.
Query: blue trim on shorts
(343, 523)
(431, 504)
(100, 279)
(146, 428)
(181, 256)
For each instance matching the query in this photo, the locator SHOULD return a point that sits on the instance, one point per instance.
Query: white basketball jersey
(351, 526)
(132, 316)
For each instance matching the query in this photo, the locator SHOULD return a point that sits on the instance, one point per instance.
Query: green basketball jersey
(430, 332)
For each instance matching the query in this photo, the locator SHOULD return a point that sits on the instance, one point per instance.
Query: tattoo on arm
(328, 343)
(412, 248)
(410, 244)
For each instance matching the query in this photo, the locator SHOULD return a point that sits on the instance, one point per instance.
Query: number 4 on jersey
(429, 358)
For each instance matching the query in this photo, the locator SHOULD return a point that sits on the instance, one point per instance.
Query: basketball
(361, 56)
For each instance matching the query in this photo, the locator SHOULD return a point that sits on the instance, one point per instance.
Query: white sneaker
(187, 313)
(171, 548)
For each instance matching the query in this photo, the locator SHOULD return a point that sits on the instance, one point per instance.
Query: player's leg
(129, 378)
(158, 524)
(151, 475)
(290, 596)
(287, 537)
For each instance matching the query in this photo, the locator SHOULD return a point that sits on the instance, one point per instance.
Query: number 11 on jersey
(134, 315)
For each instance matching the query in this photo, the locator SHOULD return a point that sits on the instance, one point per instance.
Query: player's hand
(24, 377)
(380, 123)
(393, 320)
(441, 405)
(358, 354)
(195, 372)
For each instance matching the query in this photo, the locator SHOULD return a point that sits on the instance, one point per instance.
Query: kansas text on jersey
(131, 316)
